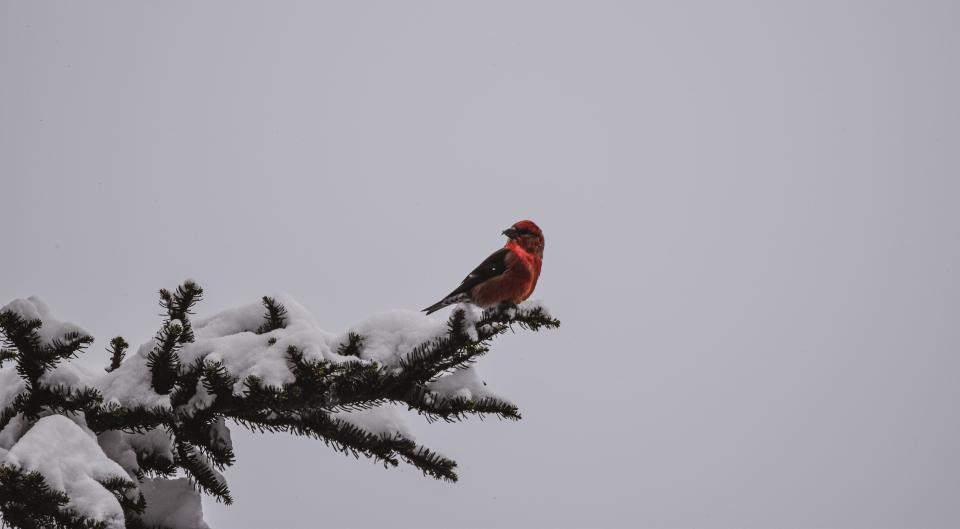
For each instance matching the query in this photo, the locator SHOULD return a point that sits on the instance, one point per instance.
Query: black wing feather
(491, 267)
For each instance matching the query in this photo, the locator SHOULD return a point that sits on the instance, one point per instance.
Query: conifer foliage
(153, 424)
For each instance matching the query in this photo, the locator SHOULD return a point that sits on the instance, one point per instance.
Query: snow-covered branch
(162, 411)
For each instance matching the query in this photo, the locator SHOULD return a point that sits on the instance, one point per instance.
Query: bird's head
(527, 235)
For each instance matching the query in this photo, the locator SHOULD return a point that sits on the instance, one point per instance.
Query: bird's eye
(524, 232)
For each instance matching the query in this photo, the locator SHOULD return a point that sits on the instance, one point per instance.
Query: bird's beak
(510, 232)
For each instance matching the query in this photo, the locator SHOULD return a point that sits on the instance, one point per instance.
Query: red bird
(509, 275)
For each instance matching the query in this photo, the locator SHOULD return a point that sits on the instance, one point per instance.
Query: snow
(157, 441)
(172, 503)
(220, 434)
(70, 374)
(71, 461)
(13, 431)
(116, 447)
(243, 354)
(389, 336)
(123, 447)
(464, 383)
(130, 383)
(200, 400)
(33, 308)
(229, 337)
(11, 384)
(472, 315)
(382, 420)
(532, 304)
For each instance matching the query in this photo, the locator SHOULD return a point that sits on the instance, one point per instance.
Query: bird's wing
(490, 268)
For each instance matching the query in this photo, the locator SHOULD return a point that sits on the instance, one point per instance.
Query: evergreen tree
(155, 423)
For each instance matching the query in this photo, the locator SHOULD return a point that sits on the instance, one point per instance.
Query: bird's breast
(515, 285)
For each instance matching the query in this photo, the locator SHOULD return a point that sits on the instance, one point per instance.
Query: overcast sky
(751, 213)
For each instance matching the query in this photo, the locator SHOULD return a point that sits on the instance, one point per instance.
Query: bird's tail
(437, 306)
(454, 297)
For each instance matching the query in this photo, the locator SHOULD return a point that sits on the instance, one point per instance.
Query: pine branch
(275, 317)
(59, 399)
(22, 335)
(205, 478)
(218, 381)
(349, 385)
(118, 348)
(455, 350)
(179, 304)
(532, 319)
(323, 384)
(436, 406)
(151, 463)
(185, 387)
(7, 354)
(431, 463)
(68, 346)
(122, 489)
(163, 361)
(41, 399)
(19, 333)
(350, 439)
(198, 431)
(203, 394)
(137, 419)
(352, 347)
(28, 502)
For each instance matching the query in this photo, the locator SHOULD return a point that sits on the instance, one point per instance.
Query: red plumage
(508, 275)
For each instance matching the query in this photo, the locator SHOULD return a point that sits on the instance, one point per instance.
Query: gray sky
(753, 237)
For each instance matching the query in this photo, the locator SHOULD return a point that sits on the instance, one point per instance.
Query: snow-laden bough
(134, 446)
